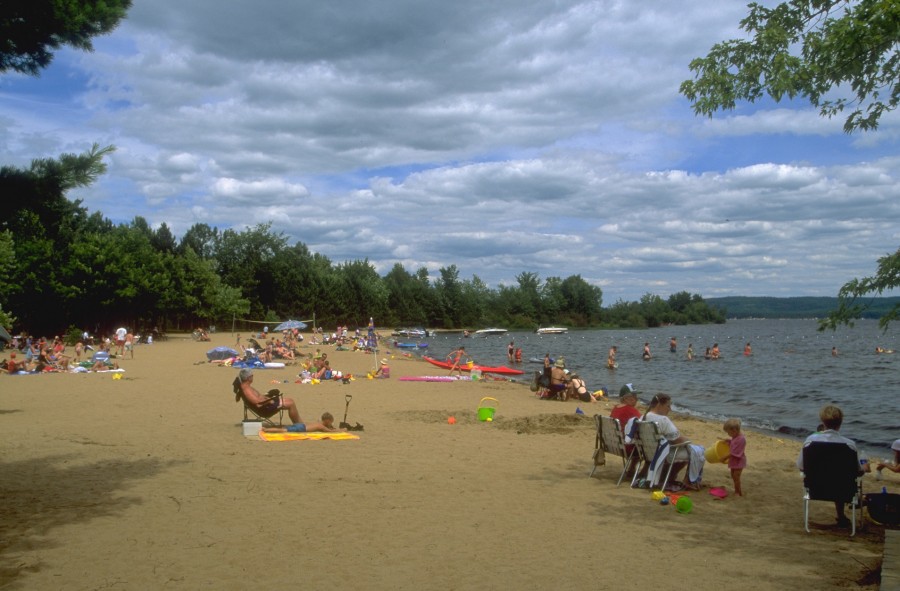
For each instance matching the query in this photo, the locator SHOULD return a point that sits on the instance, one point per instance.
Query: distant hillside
(799, 307)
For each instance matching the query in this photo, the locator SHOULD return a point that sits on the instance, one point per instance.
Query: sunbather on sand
(252, 396)
(326, 425)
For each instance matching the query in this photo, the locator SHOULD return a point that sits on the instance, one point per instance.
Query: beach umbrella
(290, 325)
(221, 353)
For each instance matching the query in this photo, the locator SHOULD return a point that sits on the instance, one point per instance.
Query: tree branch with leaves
(839, 55)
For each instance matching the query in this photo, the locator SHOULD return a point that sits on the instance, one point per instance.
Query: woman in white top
(660, 407)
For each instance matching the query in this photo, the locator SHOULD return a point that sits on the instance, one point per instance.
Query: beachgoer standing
(456, 356)
(737, 460)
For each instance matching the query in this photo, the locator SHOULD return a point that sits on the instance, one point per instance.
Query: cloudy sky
(502, 137)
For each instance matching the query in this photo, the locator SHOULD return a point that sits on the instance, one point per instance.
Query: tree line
(63, 267)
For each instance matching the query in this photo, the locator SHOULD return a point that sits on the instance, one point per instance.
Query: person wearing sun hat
(383, 371)
(559, 379)
(626, 411)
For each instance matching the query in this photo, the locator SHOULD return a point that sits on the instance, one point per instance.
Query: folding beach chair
(655, 452)
(610, 441)
(831, 473)
(252, 413)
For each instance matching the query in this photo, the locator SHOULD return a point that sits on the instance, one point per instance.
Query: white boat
(552, 330)
(415, 333)
(486, 332)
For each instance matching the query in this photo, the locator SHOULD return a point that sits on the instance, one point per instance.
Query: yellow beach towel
(306, 436)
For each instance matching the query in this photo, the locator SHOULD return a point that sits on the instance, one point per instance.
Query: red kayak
(484, 368)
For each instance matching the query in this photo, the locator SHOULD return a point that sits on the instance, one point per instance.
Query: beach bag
(535, 381)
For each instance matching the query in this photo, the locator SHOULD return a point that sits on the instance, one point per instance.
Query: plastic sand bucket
(718, 453)
(486, 408)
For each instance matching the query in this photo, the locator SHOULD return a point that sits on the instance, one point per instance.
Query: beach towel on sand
(317, 435)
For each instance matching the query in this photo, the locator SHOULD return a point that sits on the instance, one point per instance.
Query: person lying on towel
(327, 425)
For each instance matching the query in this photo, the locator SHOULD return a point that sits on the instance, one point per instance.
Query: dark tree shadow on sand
(38, 495)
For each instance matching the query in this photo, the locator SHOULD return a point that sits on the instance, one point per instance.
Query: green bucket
(486, 408)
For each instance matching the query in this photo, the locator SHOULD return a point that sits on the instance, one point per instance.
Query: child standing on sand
(737, 461)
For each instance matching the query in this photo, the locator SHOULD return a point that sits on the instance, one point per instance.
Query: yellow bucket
(718, 453)
(486, 408)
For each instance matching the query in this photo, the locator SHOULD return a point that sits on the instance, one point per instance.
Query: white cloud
(501, 137)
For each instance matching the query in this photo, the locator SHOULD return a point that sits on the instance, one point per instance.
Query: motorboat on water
(552, 330)
(412, 333)
(486, 332)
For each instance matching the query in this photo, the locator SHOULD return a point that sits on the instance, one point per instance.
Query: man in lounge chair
(264, 404)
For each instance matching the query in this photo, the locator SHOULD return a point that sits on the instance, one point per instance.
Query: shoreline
(147, 481)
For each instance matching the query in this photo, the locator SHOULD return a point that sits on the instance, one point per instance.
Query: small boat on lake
(552, 330)
(410, 345)
(410, 333)
(486, 332)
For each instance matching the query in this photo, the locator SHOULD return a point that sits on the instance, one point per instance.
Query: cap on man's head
(246, 374)
(627, 390)
(560, 363)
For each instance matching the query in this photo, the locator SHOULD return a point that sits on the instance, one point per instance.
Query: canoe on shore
(509, 371)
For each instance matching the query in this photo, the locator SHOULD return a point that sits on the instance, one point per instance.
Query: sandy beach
(147, 482)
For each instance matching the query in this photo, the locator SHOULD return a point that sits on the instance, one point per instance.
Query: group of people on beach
(688, 456)
(691, 457)
(45, 355)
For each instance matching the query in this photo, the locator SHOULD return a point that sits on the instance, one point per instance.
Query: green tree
(583, 301)
(449, 289)
(202, 239)
(407, 297)
(850, 298)
(836, 54)
(30, 30)
(245, 262)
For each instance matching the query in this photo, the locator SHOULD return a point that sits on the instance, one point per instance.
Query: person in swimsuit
(457, 357)
(326, 425)
(253, 397)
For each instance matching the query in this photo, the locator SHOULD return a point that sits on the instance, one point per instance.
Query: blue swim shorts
(296, 428)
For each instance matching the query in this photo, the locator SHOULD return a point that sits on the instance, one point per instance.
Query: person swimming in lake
(690, 352)
(646, 354)
(748, 350)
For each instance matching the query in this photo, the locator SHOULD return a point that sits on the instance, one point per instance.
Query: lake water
(779, 388)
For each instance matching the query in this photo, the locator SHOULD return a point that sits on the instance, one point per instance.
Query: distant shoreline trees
(62, 267)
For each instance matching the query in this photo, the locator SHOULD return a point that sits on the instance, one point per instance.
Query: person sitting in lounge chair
(263, 404)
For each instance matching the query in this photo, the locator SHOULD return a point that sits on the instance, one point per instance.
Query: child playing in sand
(737, 461)
(327, 424)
